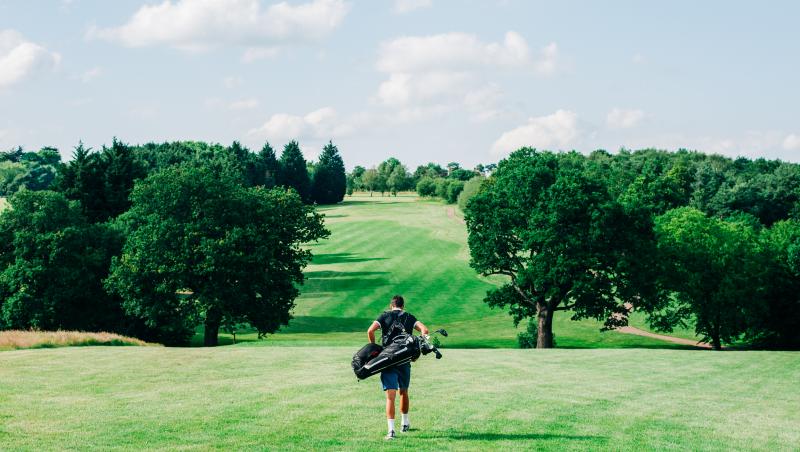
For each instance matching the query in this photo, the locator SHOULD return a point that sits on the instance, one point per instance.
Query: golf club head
(442, 332)
(438, 355)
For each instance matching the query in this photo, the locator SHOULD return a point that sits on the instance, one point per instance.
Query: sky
(421, 80)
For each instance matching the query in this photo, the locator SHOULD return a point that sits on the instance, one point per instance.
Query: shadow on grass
(488, 436)
(335, 274)
(337, 258)
(376, 201)
(309, 324)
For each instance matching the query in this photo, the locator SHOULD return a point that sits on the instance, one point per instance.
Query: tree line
(686, 238)
(152, 240)
(429, 180)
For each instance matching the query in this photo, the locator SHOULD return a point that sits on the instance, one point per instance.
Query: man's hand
(371, 331)
(419, 326)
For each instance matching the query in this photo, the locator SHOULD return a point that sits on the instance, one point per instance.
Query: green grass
(381, 246)
(306, 398)
(16, 339)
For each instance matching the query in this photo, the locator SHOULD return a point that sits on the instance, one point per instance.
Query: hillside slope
(381, 246)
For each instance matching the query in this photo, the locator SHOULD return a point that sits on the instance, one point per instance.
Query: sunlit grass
(17, 339)
(306, 398)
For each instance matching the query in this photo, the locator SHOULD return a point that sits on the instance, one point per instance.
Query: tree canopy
(202, 246)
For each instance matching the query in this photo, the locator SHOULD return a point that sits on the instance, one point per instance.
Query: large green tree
(294, 171)
(201, 246)
(330, 179)
(714, 270)
(52, 263)
(776, 321)
(551, 227)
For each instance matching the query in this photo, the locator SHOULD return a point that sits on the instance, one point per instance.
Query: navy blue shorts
(397, 377)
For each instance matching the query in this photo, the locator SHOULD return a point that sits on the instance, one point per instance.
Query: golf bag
(373, 358)
(401, 350)
(365, 355)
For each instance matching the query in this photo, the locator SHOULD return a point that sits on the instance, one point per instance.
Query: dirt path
(674, 340)
(451, 213)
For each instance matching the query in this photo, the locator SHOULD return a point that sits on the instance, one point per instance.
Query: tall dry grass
(16, 339)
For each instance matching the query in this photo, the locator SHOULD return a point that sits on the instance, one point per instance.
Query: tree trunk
(544, 337)
(715, 342)
(213, 320)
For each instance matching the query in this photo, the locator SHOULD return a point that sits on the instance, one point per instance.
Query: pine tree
(330, 180)
(293, 171)
(269, 165)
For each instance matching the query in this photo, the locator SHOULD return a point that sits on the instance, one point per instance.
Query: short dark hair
(397, 301)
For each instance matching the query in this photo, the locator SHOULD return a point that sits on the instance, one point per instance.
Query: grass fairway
(306, 398)
(380, 246)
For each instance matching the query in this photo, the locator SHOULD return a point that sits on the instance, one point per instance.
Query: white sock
(405, 418)
(391, 424)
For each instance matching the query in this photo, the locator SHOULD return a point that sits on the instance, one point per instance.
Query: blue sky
(423, 80)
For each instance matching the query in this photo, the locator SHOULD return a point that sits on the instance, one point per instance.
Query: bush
(426, 186)
(527, 339)
(454, 188)
(441, 188)
(470, 189)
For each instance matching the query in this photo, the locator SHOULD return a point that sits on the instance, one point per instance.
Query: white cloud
(202, 24)
(438, 72)
(624, 119)
(20, 59)
(406, 6)
(558, 130)
(243, 104)
(451, 51)
(324, 123)
(792, 142)
(548, 62)
(483, 103)
(259, 53)
(91, 74)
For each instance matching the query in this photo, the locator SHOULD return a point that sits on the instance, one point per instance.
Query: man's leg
(390, 387)
(404, 407)
(404, 381)
(390, 396)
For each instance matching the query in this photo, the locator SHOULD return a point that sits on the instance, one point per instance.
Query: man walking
(392, 323)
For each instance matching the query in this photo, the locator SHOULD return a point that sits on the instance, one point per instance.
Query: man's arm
(419, 326)
(371, 331)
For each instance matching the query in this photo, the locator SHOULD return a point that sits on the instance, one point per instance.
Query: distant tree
(294, 171)
(452, 166)
(330, 180)
(431, 170)
(470, 189)
(373, 181)
(13, 156)
(426, 186)
(52, 263)
(461, 174)
(441, 184)
(552, 228)
(398, 180)
(202, 246)
(355, 180)
(28, 170)
(454, 188)
(713, 268)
